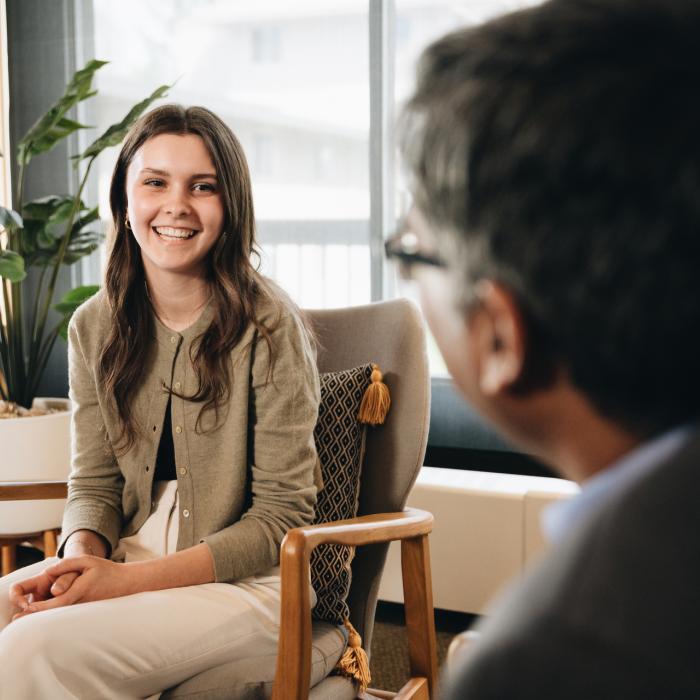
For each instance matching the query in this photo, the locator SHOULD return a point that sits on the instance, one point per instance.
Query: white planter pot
(34, 449)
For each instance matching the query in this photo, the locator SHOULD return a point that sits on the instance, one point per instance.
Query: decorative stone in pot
(34, 447)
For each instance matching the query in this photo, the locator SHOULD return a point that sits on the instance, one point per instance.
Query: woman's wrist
(84, 542)
(188, 567)
(77, 547)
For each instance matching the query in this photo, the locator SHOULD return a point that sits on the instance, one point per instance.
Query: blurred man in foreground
(555, 238)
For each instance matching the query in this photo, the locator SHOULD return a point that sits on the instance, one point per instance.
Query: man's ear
(498, 332)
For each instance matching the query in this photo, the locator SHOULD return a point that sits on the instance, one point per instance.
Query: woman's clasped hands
(77, 579)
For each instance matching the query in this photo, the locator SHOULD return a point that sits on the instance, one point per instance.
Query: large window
(311, 89)
(416, 24)
(291, 80)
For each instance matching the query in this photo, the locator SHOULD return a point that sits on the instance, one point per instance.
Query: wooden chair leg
(418, 607)
(50, 543)
(9, 559)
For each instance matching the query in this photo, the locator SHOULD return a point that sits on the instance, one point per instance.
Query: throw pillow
(340, 441)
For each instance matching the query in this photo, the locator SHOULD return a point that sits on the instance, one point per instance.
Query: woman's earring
(126, 223)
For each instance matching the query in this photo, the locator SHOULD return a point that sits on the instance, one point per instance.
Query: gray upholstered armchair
(390, 334)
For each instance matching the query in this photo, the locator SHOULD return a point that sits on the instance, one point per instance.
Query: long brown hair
(235, 283)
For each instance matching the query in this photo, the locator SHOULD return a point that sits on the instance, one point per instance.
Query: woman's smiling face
(175, 207)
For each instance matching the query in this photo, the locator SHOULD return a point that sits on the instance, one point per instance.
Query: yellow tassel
(376, 401)
(354, 664)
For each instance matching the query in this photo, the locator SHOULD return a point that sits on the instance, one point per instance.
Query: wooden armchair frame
(390, 333)
(411, 527)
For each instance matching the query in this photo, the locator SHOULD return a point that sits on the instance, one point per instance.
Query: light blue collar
(560, 518)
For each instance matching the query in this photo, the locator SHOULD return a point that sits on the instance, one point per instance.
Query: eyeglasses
(403, 248)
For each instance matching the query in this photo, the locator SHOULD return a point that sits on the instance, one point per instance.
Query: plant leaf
(43, 208)
(116, 133)
(81, 245)
(72, 256)
(12, 266)
(70, 302)
(10, 219)
(44, 228)
(45, 222)
(65, 127)
(55, 224)
(53, 126)
(83, 221)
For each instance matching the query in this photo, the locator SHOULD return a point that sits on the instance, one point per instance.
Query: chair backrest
(390, 333)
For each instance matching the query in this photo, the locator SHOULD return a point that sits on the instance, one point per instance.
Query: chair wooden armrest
(32, 490)
(412, 527)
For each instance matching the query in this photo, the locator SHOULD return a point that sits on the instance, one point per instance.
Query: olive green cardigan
(242, 485)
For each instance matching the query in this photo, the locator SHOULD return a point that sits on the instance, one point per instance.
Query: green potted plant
(45, 234)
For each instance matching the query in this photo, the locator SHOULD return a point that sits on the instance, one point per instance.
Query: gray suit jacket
(613, 611)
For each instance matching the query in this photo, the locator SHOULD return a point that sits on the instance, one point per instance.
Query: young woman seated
(195, 394)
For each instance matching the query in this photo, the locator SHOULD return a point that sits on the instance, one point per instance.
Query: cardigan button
(178, 429)
(173, 339)
(186, 513)
(183, 470)
(178, 385)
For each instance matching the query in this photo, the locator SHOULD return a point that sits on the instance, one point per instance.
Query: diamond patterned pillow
(340, 441)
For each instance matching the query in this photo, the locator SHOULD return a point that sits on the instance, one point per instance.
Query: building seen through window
(293, 82)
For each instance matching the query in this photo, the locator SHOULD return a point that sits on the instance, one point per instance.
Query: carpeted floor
(389, 660)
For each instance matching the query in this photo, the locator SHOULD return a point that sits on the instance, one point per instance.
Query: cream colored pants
(139, 645)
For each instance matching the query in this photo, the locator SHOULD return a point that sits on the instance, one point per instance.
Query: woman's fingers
(28, 602)
(63, 583)
(70, 597)
(24, 592)
(18, 596)
(72, 564)
(74, 580)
